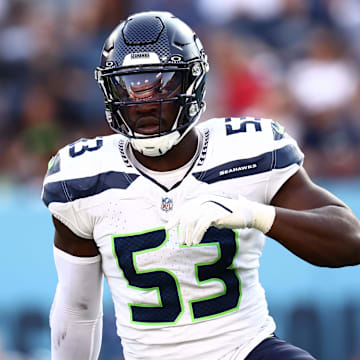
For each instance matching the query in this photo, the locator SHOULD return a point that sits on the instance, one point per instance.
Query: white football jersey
(173, 301)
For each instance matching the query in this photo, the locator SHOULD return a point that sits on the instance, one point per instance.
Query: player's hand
(198, 215)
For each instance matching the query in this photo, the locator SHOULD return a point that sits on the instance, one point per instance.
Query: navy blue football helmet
(153, 58)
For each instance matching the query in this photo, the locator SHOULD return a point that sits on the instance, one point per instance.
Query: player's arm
(76, 314)
(314, 224)
(306, 219)
(67, 241)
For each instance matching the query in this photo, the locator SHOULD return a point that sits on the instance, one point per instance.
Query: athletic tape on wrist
(264, 216)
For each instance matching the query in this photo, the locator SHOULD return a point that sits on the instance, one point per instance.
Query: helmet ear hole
(109, 118)
(193, 109)
(196, 69)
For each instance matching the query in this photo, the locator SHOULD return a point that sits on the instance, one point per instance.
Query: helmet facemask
(154, 106)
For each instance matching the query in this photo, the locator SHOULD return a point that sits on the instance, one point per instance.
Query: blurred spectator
(238, 84)
(268, 59)
(40, 136)
(325, 79)
(184, 9)
(228, 10)
(346, 15)
(324, 84)
(331, 144)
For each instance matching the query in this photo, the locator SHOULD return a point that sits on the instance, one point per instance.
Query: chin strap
(155, 146)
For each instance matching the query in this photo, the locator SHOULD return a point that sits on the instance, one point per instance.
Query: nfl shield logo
(166, 204)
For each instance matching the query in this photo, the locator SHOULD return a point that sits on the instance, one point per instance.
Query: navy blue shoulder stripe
(236, 169)
(73, 189)
(277, 159)
(287, 156)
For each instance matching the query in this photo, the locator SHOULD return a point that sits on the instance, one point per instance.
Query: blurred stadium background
(296, 61)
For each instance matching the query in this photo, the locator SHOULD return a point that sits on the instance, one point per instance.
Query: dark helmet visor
(146, 86)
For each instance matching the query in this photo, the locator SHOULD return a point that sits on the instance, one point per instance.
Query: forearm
(72, 337)
(327, 236)
(76, 314)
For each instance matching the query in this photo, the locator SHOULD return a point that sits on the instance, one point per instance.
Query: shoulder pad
(86, 168)
(247, 146)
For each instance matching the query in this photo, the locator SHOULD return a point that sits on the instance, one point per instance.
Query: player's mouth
(147, 125)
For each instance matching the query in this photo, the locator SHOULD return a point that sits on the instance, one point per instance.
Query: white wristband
(263, 217)
(247, 213)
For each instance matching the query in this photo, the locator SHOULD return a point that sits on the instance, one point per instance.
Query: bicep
(70, 243)
(300, 193)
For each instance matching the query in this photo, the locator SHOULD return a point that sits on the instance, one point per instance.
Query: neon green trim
(134, 254)
(51, 162)
(278, 128)
(216, 279)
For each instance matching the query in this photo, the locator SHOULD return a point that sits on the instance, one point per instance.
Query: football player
(174, 213)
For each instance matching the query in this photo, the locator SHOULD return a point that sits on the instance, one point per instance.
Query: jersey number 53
(170, 305)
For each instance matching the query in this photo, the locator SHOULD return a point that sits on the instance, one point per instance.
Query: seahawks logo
(278, 130)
